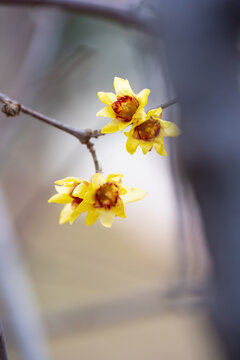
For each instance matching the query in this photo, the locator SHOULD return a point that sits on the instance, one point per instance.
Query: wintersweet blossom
(65, 189)
(124, 107)
(150, 133)
(105, 198)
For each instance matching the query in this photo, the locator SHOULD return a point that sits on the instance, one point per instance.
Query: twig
(82, 135)
(169, 103)
(12, 108)
(92, 150)
(17, 294)
(3, 348)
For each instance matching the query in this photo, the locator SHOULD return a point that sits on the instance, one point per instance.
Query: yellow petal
(131, 145)
(97, 180)
(106, 218)
(129, 133)
(115, 177)
(154, 112)
(73, 216)
(60, 199)
(69, 181)
(63, 189)
(107, 97)
(111, 127)
(120, 210)
(92, 217)
(79, 210)
(107, 112)
(123, 125)
(122, 190)
(143, 97)
(170, 129)
(65, 214)
(122, 86)
(159, 147)
(80, 190)
(139, 116)
(133, 194)
(89, 197)
(146, 146)
(83, 207)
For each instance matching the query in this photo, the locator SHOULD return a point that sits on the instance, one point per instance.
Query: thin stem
(169, 103)
(92, 150)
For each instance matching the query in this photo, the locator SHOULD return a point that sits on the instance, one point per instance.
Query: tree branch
(12, 108)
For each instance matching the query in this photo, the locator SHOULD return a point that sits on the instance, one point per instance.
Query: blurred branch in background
(17, 295)
(124, 12)
(133, 306)
(61, 69)
(3, 348)
(33, 56)
(203, 36)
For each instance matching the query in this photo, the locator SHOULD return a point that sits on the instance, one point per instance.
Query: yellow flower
(150, 133)
(124, 107)
(65, 189)
(106, 198)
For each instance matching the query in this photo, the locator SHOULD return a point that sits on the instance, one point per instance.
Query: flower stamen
(125, 107)
(148, 130)
(107, 196)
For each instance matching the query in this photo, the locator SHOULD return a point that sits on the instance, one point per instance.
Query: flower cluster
(105, 198)
(126, 108)
(101, 198)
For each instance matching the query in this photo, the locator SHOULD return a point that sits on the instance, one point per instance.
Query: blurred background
(70, 292)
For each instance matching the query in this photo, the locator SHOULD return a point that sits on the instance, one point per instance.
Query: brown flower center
(107, 195)
(125, 107)
(148, 130)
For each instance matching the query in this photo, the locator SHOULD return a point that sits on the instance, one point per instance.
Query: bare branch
(169, 103)
(82, 135)
(11, 107)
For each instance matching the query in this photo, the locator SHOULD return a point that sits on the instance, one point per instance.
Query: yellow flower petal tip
(102, 198)
(149, 133)
(125, 107)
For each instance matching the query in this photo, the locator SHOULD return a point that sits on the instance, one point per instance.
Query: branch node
(10, 108)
